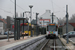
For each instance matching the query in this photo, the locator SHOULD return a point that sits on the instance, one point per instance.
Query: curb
(71, 41)
(63, 43)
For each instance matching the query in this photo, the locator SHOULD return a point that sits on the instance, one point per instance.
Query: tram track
(44, 45)
(51, 44)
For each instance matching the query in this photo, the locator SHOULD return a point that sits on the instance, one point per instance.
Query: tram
(27, 29)
(52, 31)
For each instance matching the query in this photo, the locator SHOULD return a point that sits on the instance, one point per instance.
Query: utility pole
(23, 25)
(36, 23)
(43, 25)
(31, 18)
(28, 22)
(67, 22)
(15, 23)
(52, 17)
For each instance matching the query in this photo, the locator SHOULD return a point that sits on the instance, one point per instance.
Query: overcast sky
(40, 6)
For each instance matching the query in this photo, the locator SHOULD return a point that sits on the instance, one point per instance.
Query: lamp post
(36, 23)
(31, 17)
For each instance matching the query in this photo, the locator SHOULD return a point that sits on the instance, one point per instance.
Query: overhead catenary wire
(6, 11)
(52, 5)
(17, 5)
(57, 6)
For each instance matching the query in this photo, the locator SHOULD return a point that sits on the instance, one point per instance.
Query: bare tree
(72, 20)
(61, 21)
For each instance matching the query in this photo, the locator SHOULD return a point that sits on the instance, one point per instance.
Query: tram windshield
(51, 28)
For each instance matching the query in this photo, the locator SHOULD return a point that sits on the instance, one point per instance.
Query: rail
(44, 45)
(54, 44)
(25, 45)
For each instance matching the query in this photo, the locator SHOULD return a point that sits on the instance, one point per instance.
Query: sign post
(8, 26)
(8, 35)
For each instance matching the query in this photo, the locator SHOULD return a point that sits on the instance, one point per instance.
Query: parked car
(71, 34)
(5, 33)
(12, 32)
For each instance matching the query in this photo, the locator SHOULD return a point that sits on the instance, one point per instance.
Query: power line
(5, 11)
(17, 5)
(57, 6)
(52, 5)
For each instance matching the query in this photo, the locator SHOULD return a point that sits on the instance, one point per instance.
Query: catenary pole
(15, 23)
(67, 22)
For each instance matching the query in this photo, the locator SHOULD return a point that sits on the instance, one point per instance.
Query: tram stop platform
(68, 46)
(4, 44)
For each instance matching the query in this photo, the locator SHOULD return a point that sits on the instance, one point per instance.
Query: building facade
(47, 18)
(3, 26)
(71, 27)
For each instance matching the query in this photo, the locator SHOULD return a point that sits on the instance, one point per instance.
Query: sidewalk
(5, 45)
(4, 42)
(69, 46)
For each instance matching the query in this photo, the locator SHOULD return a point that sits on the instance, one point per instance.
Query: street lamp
(31, 17)
(36, 23)
(30, 12)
